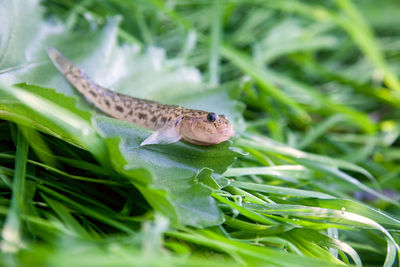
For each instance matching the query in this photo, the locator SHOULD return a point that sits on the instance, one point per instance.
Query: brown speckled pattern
(146, 113)
(192, 125)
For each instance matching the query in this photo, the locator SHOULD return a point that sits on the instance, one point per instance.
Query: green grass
(310, 178)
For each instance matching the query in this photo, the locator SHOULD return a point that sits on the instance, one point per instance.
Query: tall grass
(310, 178)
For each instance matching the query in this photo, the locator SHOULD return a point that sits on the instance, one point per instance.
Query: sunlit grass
(315, 179)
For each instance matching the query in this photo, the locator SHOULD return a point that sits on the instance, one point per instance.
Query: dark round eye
(211, 117)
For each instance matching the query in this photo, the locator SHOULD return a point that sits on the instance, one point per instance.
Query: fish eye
(211, 117)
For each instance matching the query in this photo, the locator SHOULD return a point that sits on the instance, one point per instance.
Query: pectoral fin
(166, 135)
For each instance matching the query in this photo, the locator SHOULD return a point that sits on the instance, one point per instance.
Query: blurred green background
(310, 178)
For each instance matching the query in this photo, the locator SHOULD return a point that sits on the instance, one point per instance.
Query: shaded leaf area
(174, 168)
(180, 162)
(170, 168)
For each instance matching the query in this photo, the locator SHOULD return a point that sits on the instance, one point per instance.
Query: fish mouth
(197, 142)
(226, 134)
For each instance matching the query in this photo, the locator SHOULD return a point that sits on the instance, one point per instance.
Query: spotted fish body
(170, 122)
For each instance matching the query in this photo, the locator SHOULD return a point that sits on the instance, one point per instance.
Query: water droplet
(343, 209)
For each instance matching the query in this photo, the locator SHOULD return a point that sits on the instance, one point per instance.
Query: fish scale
(145, 113)
(170, 122)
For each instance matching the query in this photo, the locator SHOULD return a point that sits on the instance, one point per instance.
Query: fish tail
(119, 106)
(78, 78)
(63, 64)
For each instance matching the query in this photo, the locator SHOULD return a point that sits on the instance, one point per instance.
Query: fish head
(205, 128)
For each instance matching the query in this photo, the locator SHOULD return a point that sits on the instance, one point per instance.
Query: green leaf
(354, 207)
(58, 117)
(278, 190)
(321, 239)
(173, 168)
(339, 217)
(17, 36)
(244, 63)
(146, 75)
(285, 172)
(264, 255)
(12, 231)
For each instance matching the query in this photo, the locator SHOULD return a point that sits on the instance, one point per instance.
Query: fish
(170, 123)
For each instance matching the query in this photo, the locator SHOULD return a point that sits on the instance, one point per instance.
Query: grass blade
(12, 229)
